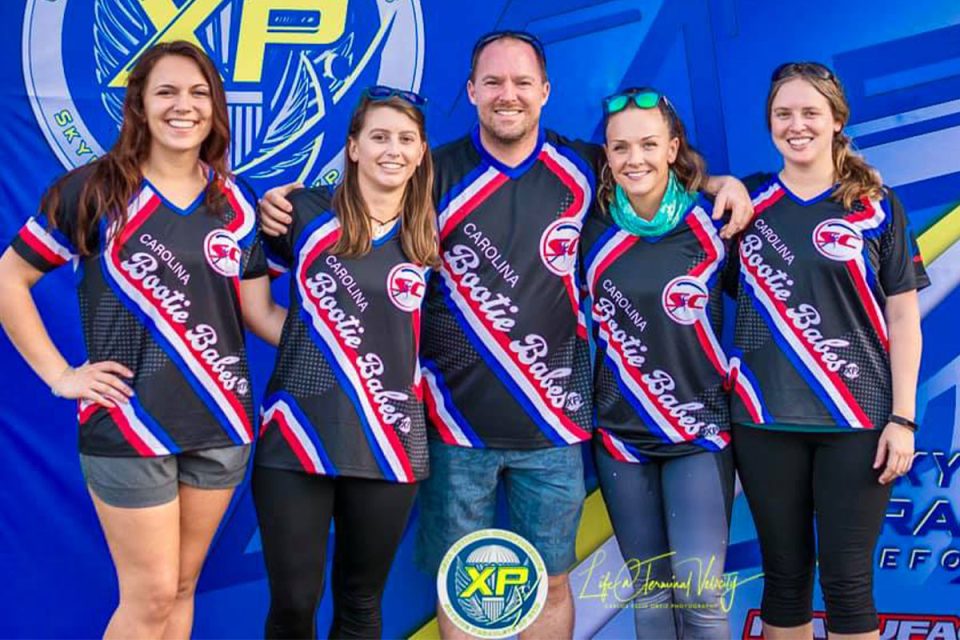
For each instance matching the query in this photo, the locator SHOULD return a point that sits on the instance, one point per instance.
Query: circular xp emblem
(406, 286)
(684, 299)
(293, 72)
(492, 583)
(558, 246)
(222, 253)
(838, 240)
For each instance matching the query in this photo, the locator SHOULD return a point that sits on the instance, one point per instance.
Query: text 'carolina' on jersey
(162, 297)
(345, 397)
(505, 354)
(812, 280)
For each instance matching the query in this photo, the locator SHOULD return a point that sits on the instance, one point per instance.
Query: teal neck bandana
(674, 204)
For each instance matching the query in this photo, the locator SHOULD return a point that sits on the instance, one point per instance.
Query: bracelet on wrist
(904, 422)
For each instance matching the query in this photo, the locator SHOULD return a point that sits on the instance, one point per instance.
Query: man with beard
(505, 355)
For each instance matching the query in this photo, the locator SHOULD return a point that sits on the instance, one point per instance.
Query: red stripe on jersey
(129, 434)
(445, 434)
(37, 245)
(476, 200)
(350, 358)
(294, 443)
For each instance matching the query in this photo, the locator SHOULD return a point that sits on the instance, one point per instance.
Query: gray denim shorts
(132, 483)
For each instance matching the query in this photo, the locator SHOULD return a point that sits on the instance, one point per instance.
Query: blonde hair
(418, 230)
(855, 177)
(689, 166)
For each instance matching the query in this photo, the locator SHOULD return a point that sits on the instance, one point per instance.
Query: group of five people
(437, 346)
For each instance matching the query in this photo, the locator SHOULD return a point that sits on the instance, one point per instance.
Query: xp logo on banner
(492, 583)
(293, 71)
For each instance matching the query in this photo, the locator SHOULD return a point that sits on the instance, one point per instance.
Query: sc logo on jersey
(684, 299)
(222, 252)
(838, 240)
(406, 287)
(293, 71)
(492, 583)
(558, 246)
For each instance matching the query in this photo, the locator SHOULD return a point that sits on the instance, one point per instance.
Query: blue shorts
(544, 489)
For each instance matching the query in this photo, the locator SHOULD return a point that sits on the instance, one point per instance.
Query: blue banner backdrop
(290, 91)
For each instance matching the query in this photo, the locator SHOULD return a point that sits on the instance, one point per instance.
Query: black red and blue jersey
(161, 297)
(812, 281)
(657, 312)
(345, 397)
(505, 355)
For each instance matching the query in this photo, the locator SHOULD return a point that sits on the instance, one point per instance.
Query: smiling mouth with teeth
(181, 124)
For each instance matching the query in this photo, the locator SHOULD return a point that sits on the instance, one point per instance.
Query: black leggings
(294, 511)
(787, 478)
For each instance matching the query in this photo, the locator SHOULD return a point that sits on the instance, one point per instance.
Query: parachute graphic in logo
(406, 286)
(293, 71)
(492, 583)
(684, 299)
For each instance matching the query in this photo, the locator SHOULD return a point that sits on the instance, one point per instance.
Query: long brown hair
(418, 229)
(116, 177)
(854, 176)
(689, 166)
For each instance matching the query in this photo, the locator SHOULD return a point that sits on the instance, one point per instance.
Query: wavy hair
(116, 177)
(418, 230)
(689, 166)
(855, 177)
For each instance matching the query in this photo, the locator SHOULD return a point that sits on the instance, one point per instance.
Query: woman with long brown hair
(828, 327)
(165, 243)
(652, 259)
(344, 433)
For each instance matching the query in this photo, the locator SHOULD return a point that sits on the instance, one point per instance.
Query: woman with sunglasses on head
(344, 436)
(652, 256)
(165, 245)
(828, 330)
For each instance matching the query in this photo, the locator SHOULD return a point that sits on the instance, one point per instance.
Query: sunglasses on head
(523, 36)
(381, 92)
(815, 69)
(642, 98)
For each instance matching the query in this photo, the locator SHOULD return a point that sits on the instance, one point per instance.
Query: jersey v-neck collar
(804, 203)
(182, 211)
(514, 173)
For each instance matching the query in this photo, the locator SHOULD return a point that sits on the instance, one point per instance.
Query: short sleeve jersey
(657, 312)
(812, 281)
(161, 297)
(345, 397)
(505, 354)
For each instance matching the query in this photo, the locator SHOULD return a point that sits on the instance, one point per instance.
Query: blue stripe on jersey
(794, 359)
(629, 396)
(351, 393)
(598, 245)
(754, 382)
(498, 369)
(311, 226)
(151, 423)
(578, 162)
(172, 353)
(308, 429)
(460, 187)
(450, 406)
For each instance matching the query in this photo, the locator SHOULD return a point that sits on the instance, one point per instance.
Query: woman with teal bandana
(652, 260)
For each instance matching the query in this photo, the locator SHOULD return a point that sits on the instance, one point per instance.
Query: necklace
(381, 227)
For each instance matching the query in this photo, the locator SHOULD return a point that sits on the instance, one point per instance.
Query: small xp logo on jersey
(293, 71)
(406, 286)
(838, 240)
(492, 583)
(222, 252)
(685, 299)
(558, 246)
